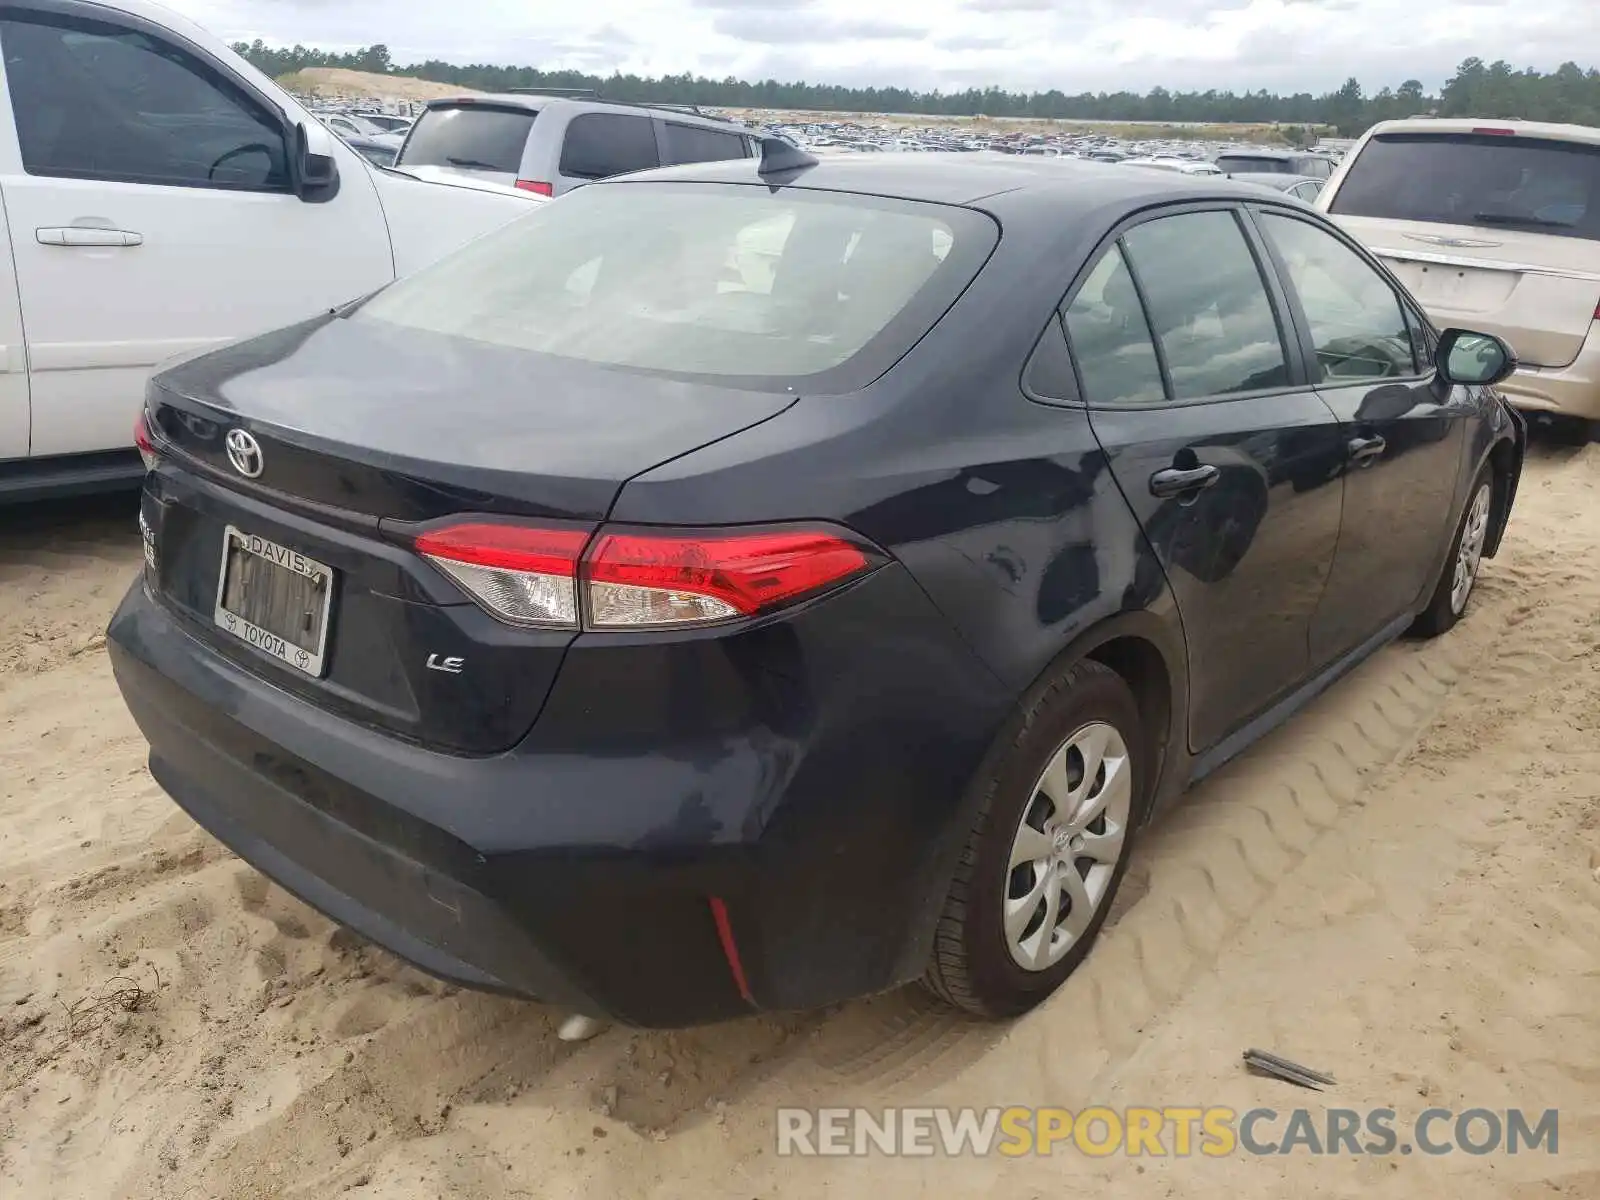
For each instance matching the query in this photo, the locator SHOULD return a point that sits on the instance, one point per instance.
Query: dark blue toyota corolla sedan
(748, 586)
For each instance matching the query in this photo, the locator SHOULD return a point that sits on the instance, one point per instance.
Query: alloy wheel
(1473, 531)
(1067, 846)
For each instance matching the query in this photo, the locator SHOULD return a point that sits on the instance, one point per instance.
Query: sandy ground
(1400, 888)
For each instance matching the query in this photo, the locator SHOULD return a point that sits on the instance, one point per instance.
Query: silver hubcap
(1471, 552)
(1067, 845)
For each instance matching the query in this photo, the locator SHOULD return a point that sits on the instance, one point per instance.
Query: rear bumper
(1570, 391)
(812, 782)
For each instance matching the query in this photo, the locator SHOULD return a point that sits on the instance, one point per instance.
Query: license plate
(274, 599)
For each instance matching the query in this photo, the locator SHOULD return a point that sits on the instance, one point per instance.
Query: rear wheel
(1460, 574)
(1048, 849)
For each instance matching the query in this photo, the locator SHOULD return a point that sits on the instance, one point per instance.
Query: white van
(1492, 225)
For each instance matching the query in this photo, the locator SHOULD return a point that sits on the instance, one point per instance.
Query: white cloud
(1073, 45)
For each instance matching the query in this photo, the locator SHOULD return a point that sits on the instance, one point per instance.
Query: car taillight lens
(644, 579)
(523, 576)
(537, 186)
(145, 443)
(639, 579)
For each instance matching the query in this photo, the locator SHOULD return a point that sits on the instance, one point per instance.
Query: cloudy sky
(1075, 45)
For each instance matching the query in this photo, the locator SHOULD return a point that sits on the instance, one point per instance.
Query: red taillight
(537, 186)
(638, 579)
(145, 443)
(635, 579)
(521, 575)
(1495, 132)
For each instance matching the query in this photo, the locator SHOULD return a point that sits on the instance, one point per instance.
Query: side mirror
(1475, 359)
(316, 171)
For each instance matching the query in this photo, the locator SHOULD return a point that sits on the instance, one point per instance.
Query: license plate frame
(308, 660)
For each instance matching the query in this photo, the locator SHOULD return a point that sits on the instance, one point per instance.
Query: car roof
(1586, 134)
(537, 102)
(963, 178)
(1268, 152)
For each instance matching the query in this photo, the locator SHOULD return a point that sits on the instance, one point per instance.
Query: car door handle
(1180, 481)
(1364, 450)
(85, 235)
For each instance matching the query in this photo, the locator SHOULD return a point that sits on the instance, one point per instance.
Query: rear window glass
(472, 138)
(707, 281)
(1230, 164)
(693, 144)
(1476, 179)
(602, 144)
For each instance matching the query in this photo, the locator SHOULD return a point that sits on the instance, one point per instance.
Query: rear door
(1487, 230)
(1229, 459)
(13, 357)
(151, 210)
(1403, 432)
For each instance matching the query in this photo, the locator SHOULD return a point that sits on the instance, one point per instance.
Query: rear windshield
(726, 282)
(1476, 179)
(1229, 164)
(469, 137)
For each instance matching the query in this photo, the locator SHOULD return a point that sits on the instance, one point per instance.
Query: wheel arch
(1503, 460)
(1146, 649)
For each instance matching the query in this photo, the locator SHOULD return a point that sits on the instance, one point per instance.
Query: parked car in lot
(161, 196)
(387, 122)
(1305, 163)
(549, 144)
(1186, 166)
(379, 154)
(1496, 223)
(705, 597)
(1301, 187)
(348, 125)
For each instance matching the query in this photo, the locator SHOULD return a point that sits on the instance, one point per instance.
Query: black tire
(1442, 612)
(972, 966)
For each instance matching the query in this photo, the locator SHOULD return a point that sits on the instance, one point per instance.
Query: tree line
(1570, 93)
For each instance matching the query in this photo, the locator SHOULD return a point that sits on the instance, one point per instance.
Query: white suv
(549, 144)
(1492, 225)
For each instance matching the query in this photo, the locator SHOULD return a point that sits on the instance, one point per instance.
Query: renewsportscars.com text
(1168, 1131)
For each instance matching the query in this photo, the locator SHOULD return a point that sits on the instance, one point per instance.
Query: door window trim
(1272, 284)
(118, 19)
(1422, 370)
(1052, 341)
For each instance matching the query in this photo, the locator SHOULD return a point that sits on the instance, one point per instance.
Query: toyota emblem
(244, 452)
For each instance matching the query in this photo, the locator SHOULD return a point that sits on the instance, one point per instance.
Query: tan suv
(1492, 225)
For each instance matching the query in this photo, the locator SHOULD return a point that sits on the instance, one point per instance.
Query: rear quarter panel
(1002, 508)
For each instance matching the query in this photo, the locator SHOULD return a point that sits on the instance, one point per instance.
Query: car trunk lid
(1494, 280)
(470, 138)
(360, 435)
(1492, 225)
